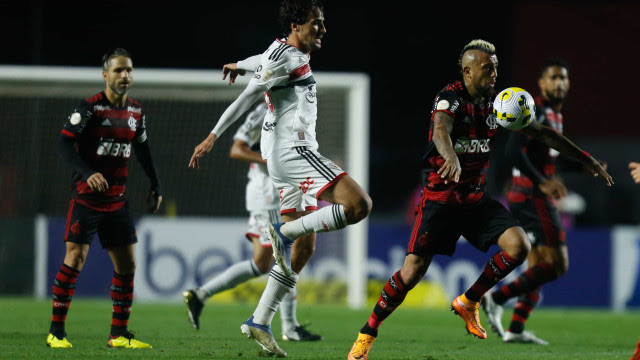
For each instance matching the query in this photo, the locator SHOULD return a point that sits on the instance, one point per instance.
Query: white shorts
(258, 220)
(301, 175)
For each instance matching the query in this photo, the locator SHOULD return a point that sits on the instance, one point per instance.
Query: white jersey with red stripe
(291, 97)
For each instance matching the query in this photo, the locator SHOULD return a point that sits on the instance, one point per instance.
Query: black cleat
(300, 334)
(194, 307)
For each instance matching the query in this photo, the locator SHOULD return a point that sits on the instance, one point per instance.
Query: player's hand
(593, 167)
(233, 72)
(153, 201)
(553, 187)
(450, 170)
(202, 150)
(635, 171)
(98, 183)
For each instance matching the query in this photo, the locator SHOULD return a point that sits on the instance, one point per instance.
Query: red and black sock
(499, 266)
(529, 281)
(64, 285)
(392, 295)
(524, 306)
(122, 297)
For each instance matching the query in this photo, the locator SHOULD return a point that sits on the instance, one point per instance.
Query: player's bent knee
(515, 242)
(359, 210)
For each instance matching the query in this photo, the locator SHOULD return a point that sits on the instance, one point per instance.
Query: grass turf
(425, 334)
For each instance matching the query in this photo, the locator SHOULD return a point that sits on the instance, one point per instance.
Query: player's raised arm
(442, 127)
(249, 96)
(557, 141)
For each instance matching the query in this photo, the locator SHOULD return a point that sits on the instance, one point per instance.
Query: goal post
(183, 106)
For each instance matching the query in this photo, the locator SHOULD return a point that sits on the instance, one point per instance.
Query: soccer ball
(514, 108)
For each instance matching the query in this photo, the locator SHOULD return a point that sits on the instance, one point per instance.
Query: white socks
(328, 218)
(288, 311)
(235, 275)
(278, 286)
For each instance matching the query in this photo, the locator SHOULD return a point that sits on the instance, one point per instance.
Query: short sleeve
(448, 102)
(276, 66)
(77, 120)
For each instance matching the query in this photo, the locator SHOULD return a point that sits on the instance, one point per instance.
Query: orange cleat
(361, 347)
(468, 311)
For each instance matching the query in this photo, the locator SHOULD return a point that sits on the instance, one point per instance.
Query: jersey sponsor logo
(75, 118)
(101, 108)
(442, 105)
(454, 106)
(134, 109)
(268, 73)
(491, 122)
(109, 147)
(311, 95)
(132, 123)
(305, 185)
(471, 146)
(269, 126)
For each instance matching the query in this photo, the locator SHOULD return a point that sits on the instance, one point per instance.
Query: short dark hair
(477, 44)
(553, 61)
(297, 12)
(114, 53)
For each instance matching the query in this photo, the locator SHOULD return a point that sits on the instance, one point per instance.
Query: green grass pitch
(408, 334)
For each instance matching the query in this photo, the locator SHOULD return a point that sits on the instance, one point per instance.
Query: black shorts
(438, 227)
(540, 220)
(115, 228)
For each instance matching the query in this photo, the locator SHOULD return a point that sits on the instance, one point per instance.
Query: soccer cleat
(494, 314)
(263, 336)
(127, 341)
(279, 244)
(299, 333)
(469, 313)
(526, 337)
(360, 349)
(55, 342)
(194, 307)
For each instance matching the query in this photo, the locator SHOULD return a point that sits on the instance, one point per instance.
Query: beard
(556, 99)
(118, 90)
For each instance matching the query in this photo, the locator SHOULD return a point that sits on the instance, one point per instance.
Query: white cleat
(263, 336)
(526, 337)
(494, 314)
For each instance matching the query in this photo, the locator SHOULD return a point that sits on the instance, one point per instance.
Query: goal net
(182, 106)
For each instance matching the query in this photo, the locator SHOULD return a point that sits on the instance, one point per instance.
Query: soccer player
(96, 141)
(301, 174)
(454, 201)
(534, 186)
(262, 203)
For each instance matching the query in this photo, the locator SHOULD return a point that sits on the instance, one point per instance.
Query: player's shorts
(541, 221)
(438, 227)
(301, 175)
(114, 228)
(258, 220)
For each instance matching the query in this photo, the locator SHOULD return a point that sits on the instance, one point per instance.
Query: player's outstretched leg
(194, 307)
(263, 336)
(279, 244)
(494, 314)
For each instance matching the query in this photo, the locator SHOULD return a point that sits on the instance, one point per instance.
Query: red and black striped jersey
(474, 127)
(104, 135)
(541, 157)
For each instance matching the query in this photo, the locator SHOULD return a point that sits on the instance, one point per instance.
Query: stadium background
(409, 52)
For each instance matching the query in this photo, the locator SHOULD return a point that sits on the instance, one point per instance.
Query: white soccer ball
(514, 108)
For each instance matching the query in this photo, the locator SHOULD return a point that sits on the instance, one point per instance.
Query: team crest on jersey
(132, 123)
(491, 122)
